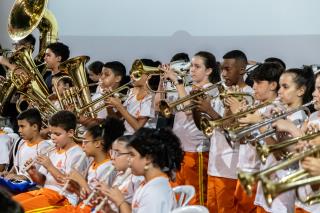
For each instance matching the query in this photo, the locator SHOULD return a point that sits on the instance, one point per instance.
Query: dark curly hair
(162, 146)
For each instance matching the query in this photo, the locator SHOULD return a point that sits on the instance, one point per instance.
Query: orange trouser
(300, 210)
(220, 197)
(243, 202)
(40, 199)
(194, 172)
(73, 209)
(261, 210)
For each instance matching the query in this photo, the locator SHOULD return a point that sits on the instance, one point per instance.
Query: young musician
(193, 171)
(137, 110)
(156, 155)
(29, 122)
(296, 87)
(55, 167)
(96, 144)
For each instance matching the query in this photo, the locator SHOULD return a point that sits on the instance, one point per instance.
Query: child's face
(60, 136)
(61, 87)
(120, 155)
(137, 163)
(263, 90)
(141, 82)
(288, 92)
(89, 144)
(51, 59)
(316, 94)
(231, 71)
(26, 130)
(198, 70)
(108, 78)
(94, 77)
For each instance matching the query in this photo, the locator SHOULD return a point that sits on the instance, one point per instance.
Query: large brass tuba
(25, 16)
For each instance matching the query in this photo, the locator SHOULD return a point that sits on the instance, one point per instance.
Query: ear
(148, 160)
(273, 85)
(99, 143)
(118, 78)
(242, 70)
(70, 133)
(301, 91)
(59, 58)
(209, 71)
(35, 127)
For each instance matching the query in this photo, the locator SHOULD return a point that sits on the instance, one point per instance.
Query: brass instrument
(25, 16)
(116, 93)
(207, 126)
(264, 150)
(248, 180)
(167, 109)
(240, 133)
(7, 90)
(75, 68)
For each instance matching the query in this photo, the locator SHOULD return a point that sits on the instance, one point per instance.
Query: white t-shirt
(192, 139)
(64, 161)
(285, 202)
(155, 196)
(102, 113)
(223, 159)
(139, 108)
(6, 143)
(96, 173)
(27, 151)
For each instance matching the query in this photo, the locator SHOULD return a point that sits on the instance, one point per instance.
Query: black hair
(119, 70)
(64, 119)
(303, 77)
(269, 71)
(180, 57)
(60, 49)
(125, 138)
(162, 146)
(276, 60)
(32, 116)
(7, 204)
(30, 39)
(238, 55)
(210, 62)
(110, 130)
(96, 67)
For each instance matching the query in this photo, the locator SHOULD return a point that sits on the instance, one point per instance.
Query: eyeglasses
(115, 154)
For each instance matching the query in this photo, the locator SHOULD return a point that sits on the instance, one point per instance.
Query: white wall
(128, 29)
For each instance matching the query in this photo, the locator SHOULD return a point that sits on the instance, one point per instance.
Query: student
(113, 75)
(156, 155)
(94, 70)
(56, 53)
(61, 86)
(137, 110)
(194, 143)
(265, 89)
(296, 87)
(96, 144)
(55, 167)
(223, 159)
(30, 123)
(125, 185)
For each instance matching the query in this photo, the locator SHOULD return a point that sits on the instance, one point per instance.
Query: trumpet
(167, 109)
(240, 133)
(264, 150)
(45, 152)
(92, 194)
(248, 180)
(116, 93)
(207, 126)
(118, 183)
(78, 164)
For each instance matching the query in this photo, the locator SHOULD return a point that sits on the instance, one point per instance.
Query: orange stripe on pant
(189, 175)
(40, 199)
(261, 210)
(220, 197)
(300, 210)
(244, 203)
(73, 209)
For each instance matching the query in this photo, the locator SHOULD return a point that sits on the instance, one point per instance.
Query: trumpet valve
(247, 181)
(263, 152)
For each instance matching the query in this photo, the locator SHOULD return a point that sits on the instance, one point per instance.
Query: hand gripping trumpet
(240, 133)
(46, 151)
(118, 183)
(94, 191)
(248, 180)
(76, 167)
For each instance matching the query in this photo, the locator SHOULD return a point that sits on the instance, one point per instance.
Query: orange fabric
(40, 199)
(220, 193)
(189, 175)
(244, 203)
(261, 210)
(300, 210)
(73, 209)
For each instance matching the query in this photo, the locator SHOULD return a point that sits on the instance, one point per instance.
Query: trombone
(239, 133)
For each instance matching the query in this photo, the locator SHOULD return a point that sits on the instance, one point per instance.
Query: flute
(117, 183)
(65, 186)
(46, 151)
(91, 195)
